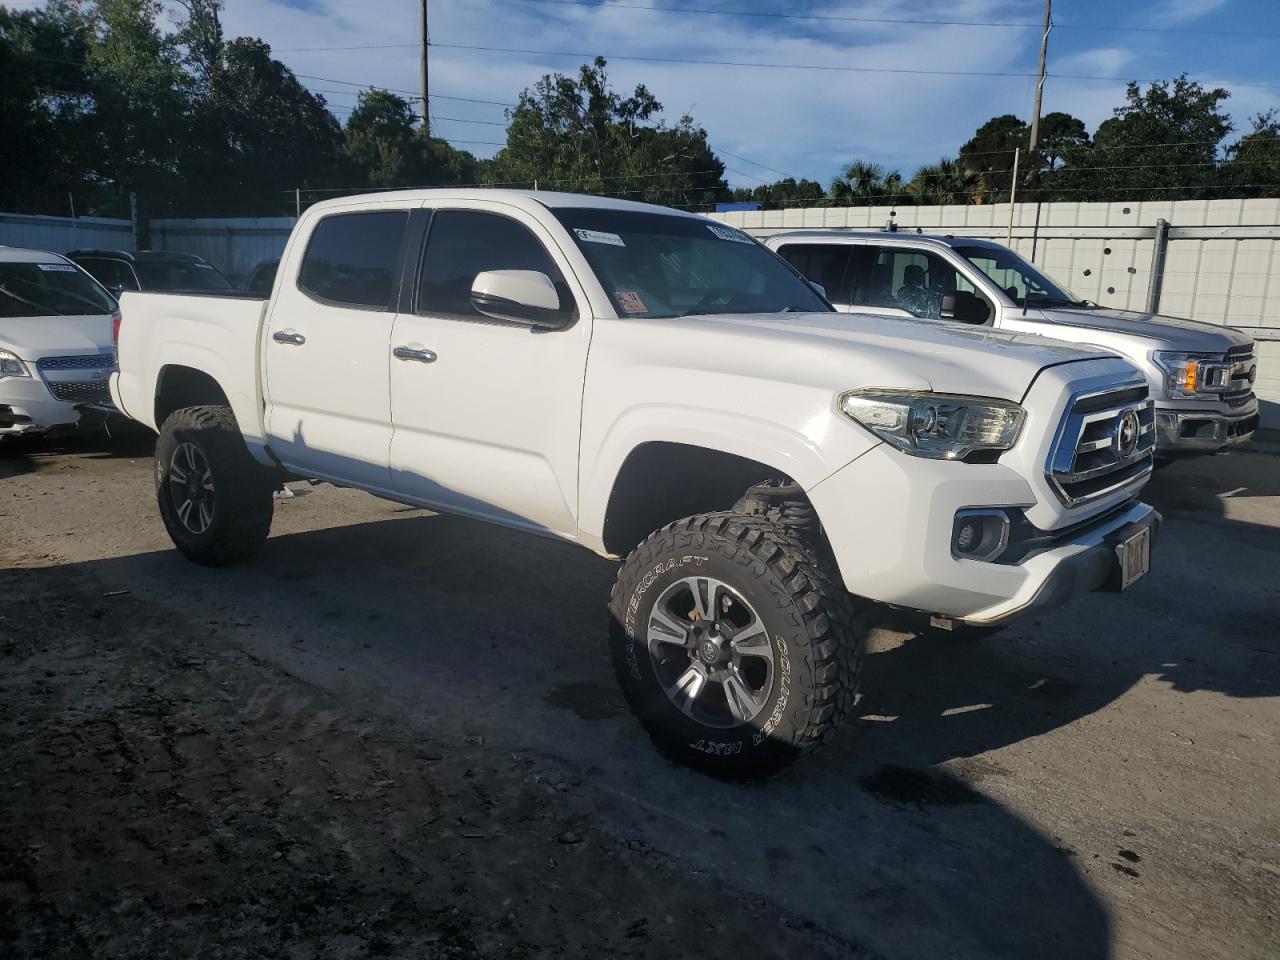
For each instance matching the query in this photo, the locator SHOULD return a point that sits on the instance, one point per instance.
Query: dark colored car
(119, 270)
(263, 278)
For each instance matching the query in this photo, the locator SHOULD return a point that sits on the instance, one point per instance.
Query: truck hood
(34, 337)
(892, 352)
(1172, 333)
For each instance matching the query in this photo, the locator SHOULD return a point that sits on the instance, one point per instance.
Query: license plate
(1134, 554)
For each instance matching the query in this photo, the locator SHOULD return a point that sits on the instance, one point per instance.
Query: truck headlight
(1192, 375)
(11, 366)
(939, 426)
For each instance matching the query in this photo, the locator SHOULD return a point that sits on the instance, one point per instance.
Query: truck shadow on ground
(891, 838)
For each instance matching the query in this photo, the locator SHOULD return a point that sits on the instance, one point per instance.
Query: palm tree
(947, 182)
(863, 180)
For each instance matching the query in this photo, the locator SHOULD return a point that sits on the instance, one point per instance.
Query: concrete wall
(1222, 263)
(61, 234)
(234, 246)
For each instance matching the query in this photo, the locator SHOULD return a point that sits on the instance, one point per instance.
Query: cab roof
(549, 199)
(887, 236)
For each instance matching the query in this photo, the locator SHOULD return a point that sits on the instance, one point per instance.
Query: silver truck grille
(82, 391)
(1105, 443)
(1242, 371)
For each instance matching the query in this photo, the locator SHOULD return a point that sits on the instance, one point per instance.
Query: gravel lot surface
(397, 734)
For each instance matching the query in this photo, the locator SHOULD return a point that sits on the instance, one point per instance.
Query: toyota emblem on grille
(1127, 434)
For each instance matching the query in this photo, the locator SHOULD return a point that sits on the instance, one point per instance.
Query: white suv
(55, 342)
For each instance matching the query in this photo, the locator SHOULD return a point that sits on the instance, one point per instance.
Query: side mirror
(519, 296)
(964, 307)
(116, 290)
(822, 291)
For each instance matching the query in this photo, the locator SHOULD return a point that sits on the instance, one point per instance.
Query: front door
(327, 348)
(487, 413)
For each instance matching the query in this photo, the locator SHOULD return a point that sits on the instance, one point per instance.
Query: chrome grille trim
(1086, 462)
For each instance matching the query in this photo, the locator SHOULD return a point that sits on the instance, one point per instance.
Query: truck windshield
(50, 289)
(1024, 284)
(658, 265)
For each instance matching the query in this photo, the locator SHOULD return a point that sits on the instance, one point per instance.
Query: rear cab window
(353, 259)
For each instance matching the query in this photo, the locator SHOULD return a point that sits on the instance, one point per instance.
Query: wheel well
(663, 482)
(180, 387)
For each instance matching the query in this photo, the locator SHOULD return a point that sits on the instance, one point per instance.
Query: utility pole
(1032, 158)
(426, 42)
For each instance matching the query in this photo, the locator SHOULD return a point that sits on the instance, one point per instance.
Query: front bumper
(1201, 431)
(889, 519)
(27, 406)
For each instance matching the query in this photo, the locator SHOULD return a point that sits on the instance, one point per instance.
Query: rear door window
(823, 263)
(110, 273)
(352, 259)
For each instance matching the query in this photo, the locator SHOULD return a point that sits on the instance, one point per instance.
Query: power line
(754, 163)
(832, 68)
(839, 18)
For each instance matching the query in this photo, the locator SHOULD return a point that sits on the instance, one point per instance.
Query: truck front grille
(1244, 371)
(82, 391)
(1105, 443)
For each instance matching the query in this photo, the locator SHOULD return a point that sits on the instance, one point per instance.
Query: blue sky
(804, 123)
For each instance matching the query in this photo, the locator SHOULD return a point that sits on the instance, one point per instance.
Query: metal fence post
(1158, 254)
(133, 217)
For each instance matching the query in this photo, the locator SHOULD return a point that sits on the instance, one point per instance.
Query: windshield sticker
(599, 236)
(630, 301)
(59, 267)
(728, 233)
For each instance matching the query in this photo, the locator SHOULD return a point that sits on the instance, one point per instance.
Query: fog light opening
(979, 535)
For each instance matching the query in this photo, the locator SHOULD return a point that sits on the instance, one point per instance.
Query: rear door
(839, 267)
(487, 413)
(326, 350)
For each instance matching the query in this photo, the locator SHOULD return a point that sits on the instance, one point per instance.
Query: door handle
(410, 353)
(289, 337)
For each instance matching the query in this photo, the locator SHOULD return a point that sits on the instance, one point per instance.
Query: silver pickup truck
(1200, 374)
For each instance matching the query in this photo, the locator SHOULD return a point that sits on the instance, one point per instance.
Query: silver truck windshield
(1024, 284)
(656, 265)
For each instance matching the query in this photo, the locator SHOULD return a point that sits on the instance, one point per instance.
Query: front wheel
(215, 499)
(734, 643)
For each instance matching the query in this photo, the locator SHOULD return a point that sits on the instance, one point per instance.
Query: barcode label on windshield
(728, 233)
(58, 267)
(599, 236)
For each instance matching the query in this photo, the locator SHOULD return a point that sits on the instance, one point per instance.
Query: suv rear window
(351, 258)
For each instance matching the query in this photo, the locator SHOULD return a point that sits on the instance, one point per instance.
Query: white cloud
(1182, 11)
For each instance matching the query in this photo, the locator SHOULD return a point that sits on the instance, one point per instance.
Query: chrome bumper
(1194, 431)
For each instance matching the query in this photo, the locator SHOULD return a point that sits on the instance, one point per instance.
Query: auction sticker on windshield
(630, 301)
(725, 233)
(599, 236)
(58, 267)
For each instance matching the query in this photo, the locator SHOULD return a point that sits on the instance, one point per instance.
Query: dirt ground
(397, 734)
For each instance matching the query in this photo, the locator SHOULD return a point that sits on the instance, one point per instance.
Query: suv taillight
(115, 329)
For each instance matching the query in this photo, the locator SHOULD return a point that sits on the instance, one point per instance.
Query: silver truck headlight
(11, 366)
(1189, 376)
(939, 426)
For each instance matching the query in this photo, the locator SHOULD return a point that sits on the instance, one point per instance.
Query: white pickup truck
(660, 388)
(1200, 374)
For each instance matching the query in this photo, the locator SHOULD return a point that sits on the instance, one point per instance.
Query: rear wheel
(215, 499)
(734, 643)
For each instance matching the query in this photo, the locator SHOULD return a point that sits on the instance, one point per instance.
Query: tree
(1162, 144)
(386, 147)
(1060, 133)
(947, 182)
(990, 152)
(575, 133)
(863, 180)
(1253, 162)
(782, 193)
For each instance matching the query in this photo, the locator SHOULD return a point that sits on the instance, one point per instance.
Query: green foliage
(384, 141)
(784, 193)
(947, 182)
(577, 134)
(990, 152)
(863, 181)
(1253, 163)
